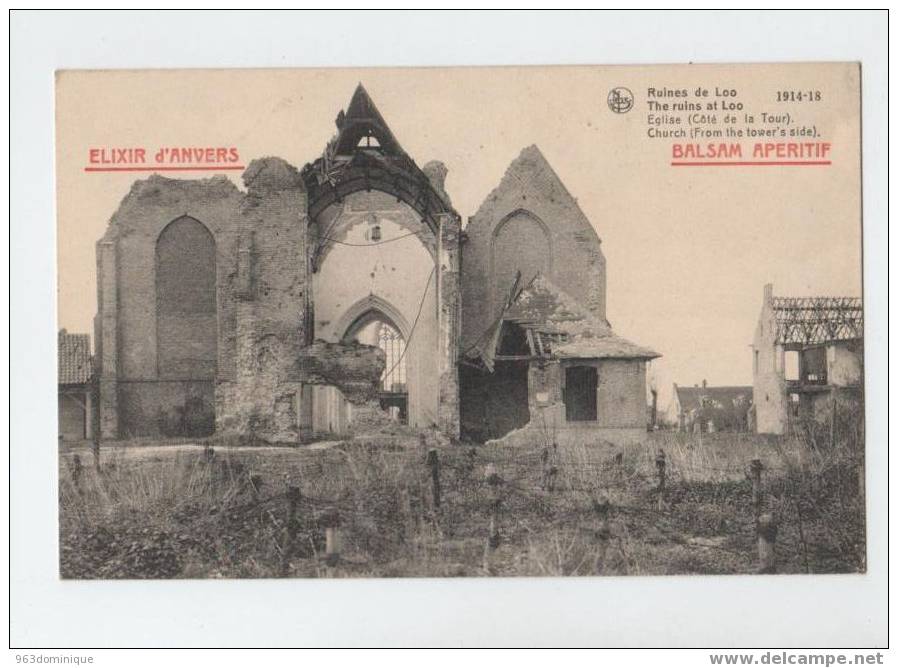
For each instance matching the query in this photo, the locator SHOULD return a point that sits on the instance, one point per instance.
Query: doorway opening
(580, 393)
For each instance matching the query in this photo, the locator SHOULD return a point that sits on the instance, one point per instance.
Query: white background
(697, 611)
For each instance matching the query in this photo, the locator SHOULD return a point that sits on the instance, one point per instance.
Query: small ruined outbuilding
(75, 394)
(808, 354)
(321, 299)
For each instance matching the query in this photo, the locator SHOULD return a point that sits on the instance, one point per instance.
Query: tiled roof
(74, 358)
(695, 398)
(546, 308)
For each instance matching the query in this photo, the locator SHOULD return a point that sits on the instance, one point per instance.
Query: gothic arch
(367, 309)
(517, 213)
(496, 291)
(186, 301)
(344, 221)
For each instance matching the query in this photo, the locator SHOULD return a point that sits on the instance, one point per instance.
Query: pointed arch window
(186, 313)
(391, 342)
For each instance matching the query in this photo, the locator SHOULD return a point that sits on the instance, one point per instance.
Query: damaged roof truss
(816, 320)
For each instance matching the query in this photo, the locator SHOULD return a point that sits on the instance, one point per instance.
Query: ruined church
(348, 293)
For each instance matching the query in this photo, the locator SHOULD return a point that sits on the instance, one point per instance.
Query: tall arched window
(393, 345)
(374, 329)
(186, 322)
(521, 242)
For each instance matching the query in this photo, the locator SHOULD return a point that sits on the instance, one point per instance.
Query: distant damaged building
(707, 409)
(808, 355)
(320, 300)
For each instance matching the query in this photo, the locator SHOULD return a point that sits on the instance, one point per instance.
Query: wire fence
(601, 499)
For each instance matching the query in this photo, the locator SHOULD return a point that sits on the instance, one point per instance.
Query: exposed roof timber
(346, 168)
(815, 320)
(363, 119)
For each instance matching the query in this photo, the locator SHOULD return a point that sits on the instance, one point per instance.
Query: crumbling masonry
(319, 300)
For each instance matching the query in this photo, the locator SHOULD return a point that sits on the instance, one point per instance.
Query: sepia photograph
(612, 327)
(485, 329)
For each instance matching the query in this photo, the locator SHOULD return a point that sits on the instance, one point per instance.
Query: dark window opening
(580, 393)
(813, 366)
(513, 341)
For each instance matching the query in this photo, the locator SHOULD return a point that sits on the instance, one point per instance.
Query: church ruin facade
(318, 299)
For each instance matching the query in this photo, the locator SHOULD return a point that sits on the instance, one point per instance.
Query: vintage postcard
(519, 321)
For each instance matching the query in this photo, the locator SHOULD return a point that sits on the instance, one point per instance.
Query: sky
(688, 250)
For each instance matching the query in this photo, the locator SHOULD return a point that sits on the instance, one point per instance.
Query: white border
(655, 611)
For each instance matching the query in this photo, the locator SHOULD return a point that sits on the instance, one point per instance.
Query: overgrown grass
(179, 512)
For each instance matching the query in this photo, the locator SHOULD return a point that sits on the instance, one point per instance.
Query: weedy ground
(155, 510)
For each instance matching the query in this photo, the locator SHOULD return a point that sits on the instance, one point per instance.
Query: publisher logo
(620, 100)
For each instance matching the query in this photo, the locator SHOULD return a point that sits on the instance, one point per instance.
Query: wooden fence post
(755, 473)
(76, 472)
(332, 540)
(255, 486)
(433, 461)
(293, 497)
(494, 481)
(95, 450)
(470, 461)
(602, 508)
(550, 471)
(661, 465)
(767, 530)
(208, 453)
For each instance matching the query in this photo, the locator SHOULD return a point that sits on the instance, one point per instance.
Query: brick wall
(132, 400)
(529, 222)
(186, 318)
(620, 405)
(269, 299)
(212, 339)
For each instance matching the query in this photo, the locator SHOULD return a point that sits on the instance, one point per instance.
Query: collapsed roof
(817, 320)
(556, 326)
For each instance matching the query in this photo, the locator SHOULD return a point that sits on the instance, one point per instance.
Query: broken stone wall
(267, 297)
(449, 323)
(620, 399)
(237, 379)
(530, 222)
(769, 385)
(844, 363)
(133, 394)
